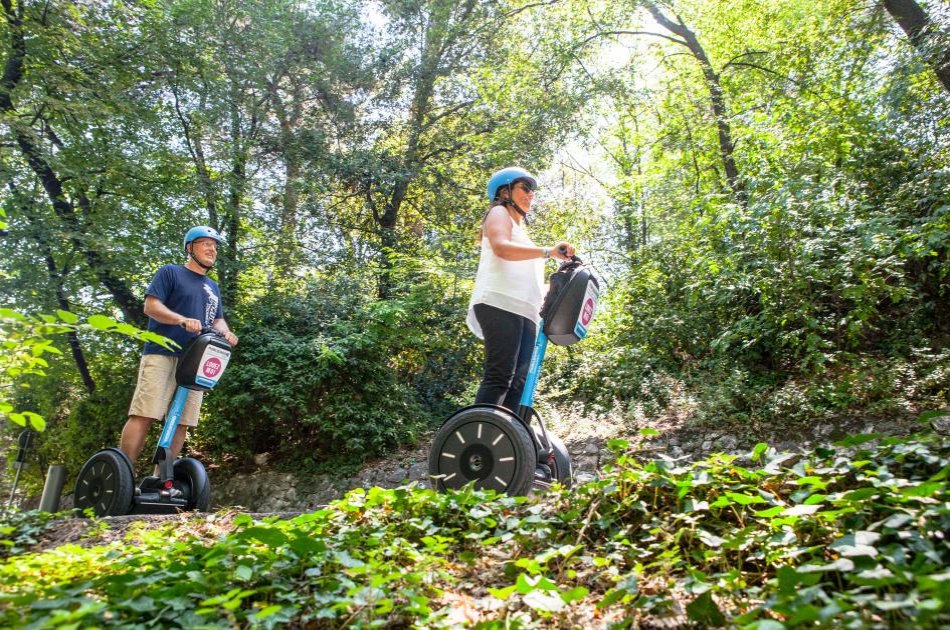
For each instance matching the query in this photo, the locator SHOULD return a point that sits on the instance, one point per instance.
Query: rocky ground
(586, 436)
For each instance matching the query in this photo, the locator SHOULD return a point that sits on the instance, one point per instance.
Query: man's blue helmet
(508, 176)
(201, 231)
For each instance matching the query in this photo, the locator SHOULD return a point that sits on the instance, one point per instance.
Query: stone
(584, 477)
(727, 443)
(419, 472)
(396, 477)
(261, 459)
(591, 448)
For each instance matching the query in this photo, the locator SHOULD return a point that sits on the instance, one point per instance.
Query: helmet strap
(191, 252)
(509, 203)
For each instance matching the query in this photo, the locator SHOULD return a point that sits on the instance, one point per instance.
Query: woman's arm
(497, 228)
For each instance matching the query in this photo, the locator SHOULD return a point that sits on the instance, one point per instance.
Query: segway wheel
(563, 471)
(192, 480)
(105, 484)
(487, 446)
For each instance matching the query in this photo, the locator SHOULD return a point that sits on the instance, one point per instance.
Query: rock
(727, 443)
(584, 477)
(707, 445)
(396, 477)
(419, 472)
(261, 459)
(585, 462)
(591, 448)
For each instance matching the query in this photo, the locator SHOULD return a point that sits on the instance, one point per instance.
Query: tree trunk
(919, 28)
(287, 251)
(716, 96)
(56, 277)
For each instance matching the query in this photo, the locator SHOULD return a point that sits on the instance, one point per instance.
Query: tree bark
(716, 96)
(920, 29)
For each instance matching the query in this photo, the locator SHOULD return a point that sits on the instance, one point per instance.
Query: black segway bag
(203, 362)
(570, 303)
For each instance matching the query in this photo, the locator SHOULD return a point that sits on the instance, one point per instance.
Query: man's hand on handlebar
(230, 337)
(191, 325)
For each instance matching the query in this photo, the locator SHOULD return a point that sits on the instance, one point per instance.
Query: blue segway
(492, 447)
(106, 482)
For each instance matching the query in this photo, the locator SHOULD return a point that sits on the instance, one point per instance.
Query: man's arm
(157, 310)
(222, 327)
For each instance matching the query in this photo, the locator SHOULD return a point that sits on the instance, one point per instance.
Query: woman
(507, 297)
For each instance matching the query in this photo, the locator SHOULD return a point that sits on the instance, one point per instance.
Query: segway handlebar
(574, 259)
(206, 329)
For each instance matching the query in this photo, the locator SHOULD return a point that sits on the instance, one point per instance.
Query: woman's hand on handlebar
(562, 251)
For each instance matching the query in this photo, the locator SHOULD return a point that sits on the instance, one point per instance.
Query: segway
(492, 447)
(106, 482)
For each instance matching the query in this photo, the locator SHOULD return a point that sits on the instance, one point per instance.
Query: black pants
(509, 343)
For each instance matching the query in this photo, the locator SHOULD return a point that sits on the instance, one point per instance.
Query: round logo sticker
(588, 312)
(212, 367)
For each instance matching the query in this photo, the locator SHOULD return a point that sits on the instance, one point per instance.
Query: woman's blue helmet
(506, 177)
(201, 231)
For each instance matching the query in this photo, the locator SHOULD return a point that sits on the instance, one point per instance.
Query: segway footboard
(486, 445)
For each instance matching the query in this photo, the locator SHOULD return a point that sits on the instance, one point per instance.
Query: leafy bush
(852, 535)
(327, 376)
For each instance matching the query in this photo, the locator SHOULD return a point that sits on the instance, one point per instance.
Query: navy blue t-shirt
(190, 295)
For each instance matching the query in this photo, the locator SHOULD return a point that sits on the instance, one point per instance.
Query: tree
(42, 128)
(923, 34)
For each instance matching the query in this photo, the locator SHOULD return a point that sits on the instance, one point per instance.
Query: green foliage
(850, 535)
(25, 339)
(325, 376)
(19, 531)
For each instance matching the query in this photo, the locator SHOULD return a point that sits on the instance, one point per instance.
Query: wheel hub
(477, 462)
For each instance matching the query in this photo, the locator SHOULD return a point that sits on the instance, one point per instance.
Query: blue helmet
(201, 231)
(506, 177)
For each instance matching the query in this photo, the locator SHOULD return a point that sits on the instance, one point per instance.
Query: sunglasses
(527, 186)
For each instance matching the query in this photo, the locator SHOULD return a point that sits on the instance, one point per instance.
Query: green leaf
(244, 572)
(267, 612)
(101, 322)
(704, 610)
(758, 450)
(503, 593)
(745, 499)
(649, 432)
(575, 594)
(36, 420)
(66, 316)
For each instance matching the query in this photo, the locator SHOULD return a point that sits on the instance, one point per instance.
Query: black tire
(563, 470)
(560, 462)
(105, 484)
(487, 446)
(192, 479)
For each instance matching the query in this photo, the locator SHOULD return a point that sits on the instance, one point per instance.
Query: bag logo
(212, 367)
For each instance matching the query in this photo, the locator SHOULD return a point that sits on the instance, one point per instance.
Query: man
(180, 301)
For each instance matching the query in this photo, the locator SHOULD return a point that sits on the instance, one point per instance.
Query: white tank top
(511, 285)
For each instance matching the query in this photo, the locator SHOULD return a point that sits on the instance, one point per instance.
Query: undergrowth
(852, 535)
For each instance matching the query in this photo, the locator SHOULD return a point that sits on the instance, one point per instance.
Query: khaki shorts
(156, 388)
